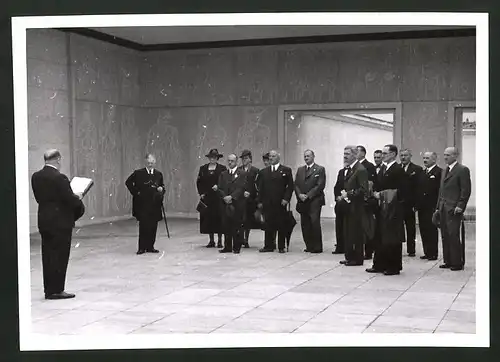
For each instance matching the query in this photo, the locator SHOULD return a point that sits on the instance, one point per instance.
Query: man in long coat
(147, 189)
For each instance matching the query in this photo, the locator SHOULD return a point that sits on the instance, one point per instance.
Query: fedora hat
(246, 153)
(214, 153)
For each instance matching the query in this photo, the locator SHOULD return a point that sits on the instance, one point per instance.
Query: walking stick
(165, 218)
(463, 242)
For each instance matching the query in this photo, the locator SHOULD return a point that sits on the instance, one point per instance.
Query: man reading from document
(310, 182)
(58, 209)
(147, 189)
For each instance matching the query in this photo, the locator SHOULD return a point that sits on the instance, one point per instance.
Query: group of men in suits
(375, 204)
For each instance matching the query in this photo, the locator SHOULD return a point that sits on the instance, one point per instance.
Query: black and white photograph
(252, 180)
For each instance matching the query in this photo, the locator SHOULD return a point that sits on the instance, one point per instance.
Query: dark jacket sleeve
(289, 185)
(465, 188)
(338, 186)
(320, 185)
(131, 185)
(199, 181)
(297, 188)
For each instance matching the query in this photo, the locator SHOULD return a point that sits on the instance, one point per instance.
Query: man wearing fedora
(250, 194)
(210, 217)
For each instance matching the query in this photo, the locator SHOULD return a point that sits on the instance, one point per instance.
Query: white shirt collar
(48, 164)
(275, 167)
(452, 165)
(232, 170)
(363, 160)
(352, 164)
(429, 169)
(311, 165)
(388, 165)
(150, 171)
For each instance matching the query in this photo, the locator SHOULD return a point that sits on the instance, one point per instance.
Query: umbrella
(290, 223)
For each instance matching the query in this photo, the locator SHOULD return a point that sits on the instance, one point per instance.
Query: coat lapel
(311, 171)
(351, 171)
(453, 170)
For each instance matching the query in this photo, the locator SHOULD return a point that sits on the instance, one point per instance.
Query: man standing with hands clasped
(310, 182)
(58, 209)
(231, 186)
(454, 195)
(275, 185)
(352, 200)
(147, 189)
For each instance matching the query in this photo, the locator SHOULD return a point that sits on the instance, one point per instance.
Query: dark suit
(412, 174)
(339, 213)
(275, 186)
(454, 192)
(388, 255)
(146, 204)
(232, 214)
(427, 196)
(370, 168)
(251, 201)
(58, 209)
(312, 183)
(356, 186)
(372, 176)
(269, 236)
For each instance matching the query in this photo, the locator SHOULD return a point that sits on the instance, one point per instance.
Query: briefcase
(201, 207)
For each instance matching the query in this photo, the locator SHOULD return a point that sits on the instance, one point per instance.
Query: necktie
(447, 171)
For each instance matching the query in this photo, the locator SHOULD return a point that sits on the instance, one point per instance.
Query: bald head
(309, 157)
(430, 159)
(52, 157)
(450, 155)
(232, 160)
(274, 157)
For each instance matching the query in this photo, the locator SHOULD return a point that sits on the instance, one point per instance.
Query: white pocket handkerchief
(316, 175)
(433, 176)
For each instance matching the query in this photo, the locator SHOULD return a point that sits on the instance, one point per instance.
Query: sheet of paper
(81, 184)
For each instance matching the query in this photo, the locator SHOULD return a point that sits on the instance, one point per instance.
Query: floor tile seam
(451, 304)
(395, 300)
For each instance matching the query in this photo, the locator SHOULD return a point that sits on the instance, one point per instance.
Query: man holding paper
(147, 189)
(58, 209)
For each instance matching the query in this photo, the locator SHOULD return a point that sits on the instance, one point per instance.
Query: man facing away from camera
(58, 209)
(147, 189)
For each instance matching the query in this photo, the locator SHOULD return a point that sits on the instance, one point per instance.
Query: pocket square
(316, 175)
(413, 173)
(433, 176)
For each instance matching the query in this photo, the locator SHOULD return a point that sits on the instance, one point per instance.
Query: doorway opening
(327, 132)
(465, 141)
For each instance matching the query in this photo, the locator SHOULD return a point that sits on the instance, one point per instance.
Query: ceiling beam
(417, 34)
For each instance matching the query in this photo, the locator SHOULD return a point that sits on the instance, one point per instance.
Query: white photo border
(33, 342)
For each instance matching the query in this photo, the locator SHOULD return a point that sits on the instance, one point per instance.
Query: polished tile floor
(187, 288)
